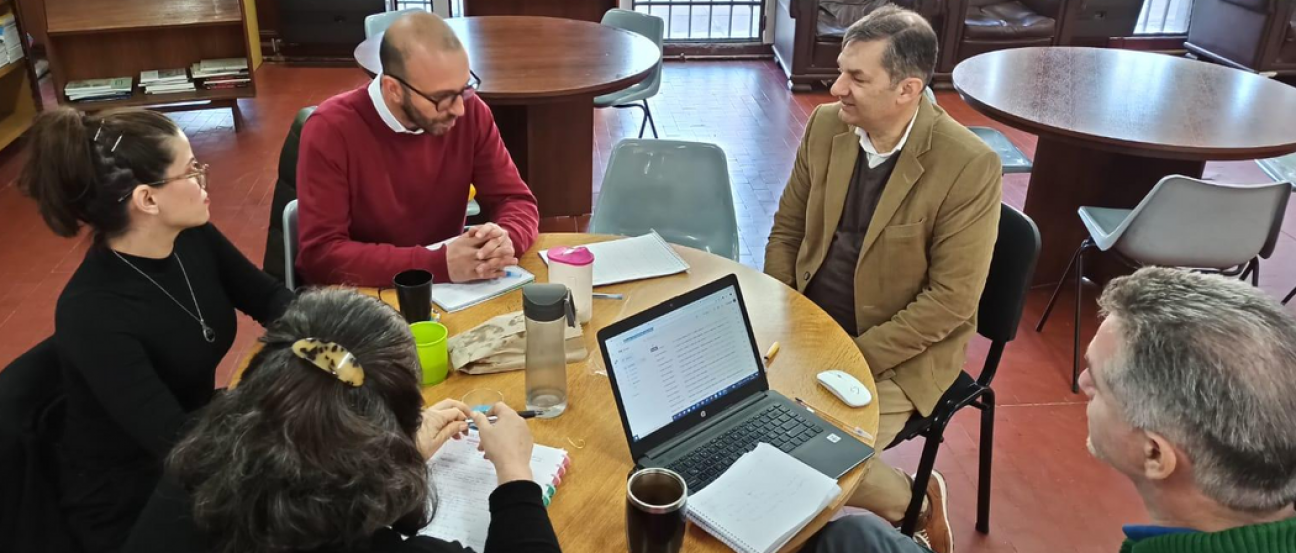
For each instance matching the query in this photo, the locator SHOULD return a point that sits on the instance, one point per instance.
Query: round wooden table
(540, 76)
(588, 511)
(1111, 123)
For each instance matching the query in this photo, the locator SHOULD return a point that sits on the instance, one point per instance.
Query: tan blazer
(927, 251)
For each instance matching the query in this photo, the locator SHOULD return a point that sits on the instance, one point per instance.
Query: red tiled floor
(1048, 494)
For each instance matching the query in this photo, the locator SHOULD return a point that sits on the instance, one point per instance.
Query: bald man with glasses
(383, 172)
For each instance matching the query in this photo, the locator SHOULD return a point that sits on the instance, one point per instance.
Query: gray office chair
(378, 22)
(1182, 222)
(637, 95)
(1011, 157)
(679, 189)
(290, 245)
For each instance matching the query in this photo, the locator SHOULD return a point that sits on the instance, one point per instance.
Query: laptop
(691, 389)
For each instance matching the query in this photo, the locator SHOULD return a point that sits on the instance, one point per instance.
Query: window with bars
(708, 20)
(1164, 17)
(454, 7)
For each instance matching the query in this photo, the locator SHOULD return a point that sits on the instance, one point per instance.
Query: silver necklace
(208, 333)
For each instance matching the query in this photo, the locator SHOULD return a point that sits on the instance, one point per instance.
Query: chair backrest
(644, 24)
(27, 384)
(290, 245)
(679, 189)
(285, 190)
(1012, 266)
(1187, 222)
(378, 22)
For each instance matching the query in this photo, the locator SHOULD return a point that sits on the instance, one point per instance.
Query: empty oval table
(539, 75)
(1111, 123)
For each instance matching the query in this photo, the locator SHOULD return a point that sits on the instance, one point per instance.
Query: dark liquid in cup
(648, 528)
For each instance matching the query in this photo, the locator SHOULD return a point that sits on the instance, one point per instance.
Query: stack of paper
(222, 73)
(98, 89)
(11, 39)
(456, 297)
(165, 81)
(463, 481)
(764, 499)
(647, 256)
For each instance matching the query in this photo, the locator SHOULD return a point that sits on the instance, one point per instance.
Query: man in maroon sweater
(383, 172)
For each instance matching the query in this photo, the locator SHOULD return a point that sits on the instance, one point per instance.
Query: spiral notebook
(638, 258)
(463, 480)
(762, 501)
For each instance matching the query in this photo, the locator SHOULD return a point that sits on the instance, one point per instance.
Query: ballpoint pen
(840, 423)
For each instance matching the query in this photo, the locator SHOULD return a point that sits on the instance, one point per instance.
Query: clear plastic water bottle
(549, 310)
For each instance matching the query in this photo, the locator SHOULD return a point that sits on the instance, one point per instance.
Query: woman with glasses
(149, 314)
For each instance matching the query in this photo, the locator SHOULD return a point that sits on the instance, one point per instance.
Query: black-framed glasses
(199, 173)
(445, 100)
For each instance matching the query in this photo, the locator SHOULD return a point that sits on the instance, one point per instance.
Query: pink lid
(579, 256)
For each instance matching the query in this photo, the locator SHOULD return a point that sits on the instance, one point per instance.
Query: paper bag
(499, 345)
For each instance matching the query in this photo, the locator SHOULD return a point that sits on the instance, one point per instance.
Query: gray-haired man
(1192, 396)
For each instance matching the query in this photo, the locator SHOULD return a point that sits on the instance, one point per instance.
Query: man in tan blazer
(888, 223)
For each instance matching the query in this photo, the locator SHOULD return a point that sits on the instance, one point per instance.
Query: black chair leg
(1290, 295)
(648, 117)
(1058, 289)
(1075, 342)
(983, 466)
(921, 478)
(1255, 272)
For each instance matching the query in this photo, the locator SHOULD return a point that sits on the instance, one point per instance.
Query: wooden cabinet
(585, 10)
(92, 39)
(19, 100)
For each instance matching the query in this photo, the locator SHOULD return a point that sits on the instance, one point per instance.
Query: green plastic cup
(430, 338)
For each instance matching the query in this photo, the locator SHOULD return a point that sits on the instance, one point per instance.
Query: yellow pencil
(773, 350)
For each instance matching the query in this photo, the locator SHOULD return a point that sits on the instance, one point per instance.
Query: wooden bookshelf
(95, 39)
(19, 98)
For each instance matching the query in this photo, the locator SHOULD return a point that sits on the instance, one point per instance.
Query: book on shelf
(99, 89)
(223, 65)
(228, 86)
(199, 73)
(100, 98)
(169, 89)
(163, 76)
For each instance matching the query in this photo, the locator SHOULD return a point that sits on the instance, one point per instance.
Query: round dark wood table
(540, 76)
(1111, 123)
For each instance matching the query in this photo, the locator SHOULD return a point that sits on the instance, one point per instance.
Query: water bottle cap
(578, 256)
(547, 302)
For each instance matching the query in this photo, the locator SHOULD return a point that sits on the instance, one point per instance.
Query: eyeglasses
(445, 101)
(199, 173)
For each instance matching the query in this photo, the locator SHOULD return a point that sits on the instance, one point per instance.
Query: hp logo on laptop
(704, 414)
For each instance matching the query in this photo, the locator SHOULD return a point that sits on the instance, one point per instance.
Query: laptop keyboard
(777, 425)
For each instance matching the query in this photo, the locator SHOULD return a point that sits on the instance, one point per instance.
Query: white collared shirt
(375, 94)
(874, 158)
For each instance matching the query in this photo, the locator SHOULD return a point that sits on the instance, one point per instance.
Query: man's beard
(435, 127)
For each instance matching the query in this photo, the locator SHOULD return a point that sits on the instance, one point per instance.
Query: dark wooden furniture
(1111, 123)
(808, 33)
(980, 26)
(91, 39)
(584, 10)
(540, 76)
(19, 97)
(1256, 35)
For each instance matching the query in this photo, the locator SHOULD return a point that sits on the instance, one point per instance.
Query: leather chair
(808, 33)
(285, 190)
(990, 25)
(1254, 35)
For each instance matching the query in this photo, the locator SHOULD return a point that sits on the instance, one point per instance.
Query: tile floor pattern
(1048, 494)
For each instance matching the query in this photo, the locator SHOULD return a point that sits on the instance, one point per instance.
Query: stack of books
(222, 73)
(165, 81)
(98, 90)
(10, 39)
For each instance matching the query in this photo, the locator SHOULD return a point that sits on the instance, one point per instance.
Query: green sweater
(1273, 537)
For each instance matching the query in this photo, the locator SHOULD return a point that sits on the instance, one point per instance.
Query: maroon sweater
(370, 199)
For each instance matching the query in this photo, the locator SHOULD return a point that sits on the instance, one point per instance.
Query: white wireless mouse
(852, 392)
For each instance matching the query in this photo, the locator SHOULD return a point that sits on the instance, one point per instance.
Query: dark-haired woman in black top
(149, 314)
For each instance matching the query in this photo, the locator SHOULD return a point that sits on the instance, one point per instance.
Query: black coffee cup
(655, 521)
(414, 292)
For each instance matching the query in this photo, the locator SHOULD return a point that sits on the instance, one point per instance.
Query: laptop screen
(678, 363)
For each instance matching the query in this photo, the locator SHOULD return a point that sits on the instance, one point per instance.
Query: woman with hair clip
(323, 446)
(149, 314)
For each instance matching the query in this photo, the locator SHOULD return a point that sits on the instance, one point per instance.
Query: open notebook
(627, 259)
(463, 481)
(764, 499)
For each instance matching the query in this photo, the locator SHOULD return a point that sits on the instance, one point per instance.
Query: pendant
(208, 333)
